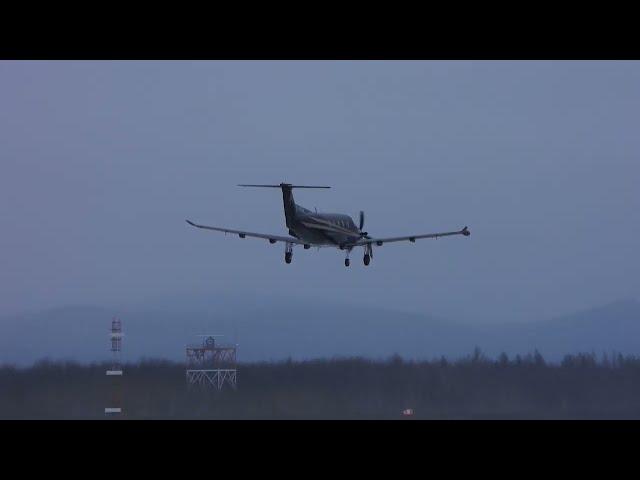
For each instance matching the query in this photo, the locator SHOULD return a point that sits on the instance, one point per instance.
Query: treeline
(474, 387)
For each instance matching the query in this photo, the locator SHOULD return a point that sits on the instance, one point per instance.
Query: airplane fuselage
(318, 228)
(323, 228)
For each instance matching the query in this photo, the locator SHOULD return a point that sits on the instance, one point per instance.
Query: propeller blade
(361, 220)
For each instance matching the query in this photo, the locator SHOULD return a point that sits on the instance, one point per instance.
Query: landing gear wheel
(346, 262)
(366, 259)
(287, 257)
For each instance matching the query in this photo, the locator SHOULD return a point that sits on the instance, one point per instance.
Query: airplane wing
(242, 234)
(412, 238)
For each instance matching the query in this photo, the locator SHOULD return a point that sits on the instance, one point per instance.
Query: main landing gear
(368, 254)
(288, 252)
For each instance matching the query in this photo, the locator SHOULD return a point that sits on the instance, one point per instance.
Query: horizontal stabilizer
(282, 185)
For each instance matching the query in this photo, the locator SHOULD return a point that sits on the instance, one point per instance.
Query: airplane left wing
(242, 234)
(412, 238)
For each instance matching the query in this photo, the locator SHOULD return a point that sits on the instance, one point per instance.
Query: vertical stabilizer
(287, 198)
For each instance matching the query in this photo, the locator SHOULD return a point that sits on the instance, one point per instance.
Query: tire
(366, 259)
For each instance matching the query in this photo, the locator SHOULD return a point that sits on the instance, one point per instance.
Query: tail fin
(287, 199)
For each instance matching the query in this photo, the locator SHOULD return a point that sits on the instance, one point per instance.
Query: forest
(583, 386)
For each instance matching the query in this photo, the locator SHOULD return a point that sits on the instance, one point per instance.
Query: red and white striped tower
(115, 407)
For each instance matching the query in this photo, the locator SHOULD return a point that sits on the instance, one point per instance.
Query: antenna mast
(116, 368)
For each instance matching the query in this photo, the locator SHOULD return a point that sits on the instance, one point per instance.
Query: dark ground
(580, 387)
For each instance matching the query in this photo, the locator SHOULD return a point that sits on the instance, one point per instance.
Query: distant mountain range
(268, 329)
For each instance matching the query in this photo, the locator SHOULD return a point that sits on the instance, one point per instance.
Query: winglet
(191, 223)
(465, 231)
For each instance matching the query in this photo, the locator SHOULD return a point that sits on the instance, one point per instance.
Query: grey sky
(101, 162)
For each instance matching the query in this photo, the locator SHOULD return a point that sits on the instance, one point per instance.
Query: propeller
(363, 234)
(368, 247)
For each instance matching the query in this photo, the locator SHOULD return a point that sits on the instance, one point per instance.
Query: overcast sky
(101, 163)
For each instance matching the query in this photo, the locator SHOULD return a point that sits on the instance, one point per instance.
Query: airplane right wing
(412, 238)
(243, 234)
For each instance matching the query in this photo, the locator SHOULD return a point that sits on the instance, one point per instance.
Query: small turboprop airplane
(336, 230)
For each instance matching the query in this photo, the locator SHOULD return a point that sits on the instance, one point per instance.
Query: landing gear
(368, 254)
(288, 252)
(346, 262)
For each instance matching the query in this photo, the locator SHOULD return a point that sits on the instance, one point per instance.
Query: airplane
(309, 229)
